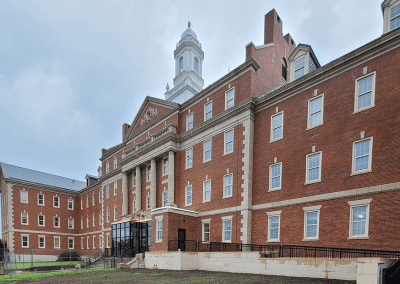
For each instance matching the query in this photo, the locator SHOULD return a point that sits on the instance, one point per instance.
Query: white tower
(188, 68)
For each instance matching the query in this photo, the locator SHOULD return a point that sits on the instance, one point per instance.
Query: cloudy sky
(72, 72)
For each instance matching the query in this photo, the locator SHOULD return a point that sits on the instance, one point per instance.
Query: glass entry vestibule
(130, 238)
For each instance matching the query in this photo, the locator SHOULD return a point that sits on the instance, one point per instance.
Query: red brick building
(280, 150)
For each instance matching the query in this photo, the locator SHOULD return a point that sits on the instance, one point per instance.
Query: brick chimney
(125, 128)
(272, 26)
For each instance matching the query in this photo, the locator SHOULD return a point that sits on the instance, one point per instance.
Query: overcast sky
(72, 72)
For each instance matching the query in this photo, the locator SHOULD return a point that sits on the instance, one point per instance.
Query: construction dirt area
(176, 277)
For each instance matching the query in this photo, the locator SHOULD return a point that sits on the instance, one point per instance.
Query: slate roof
(23, 174)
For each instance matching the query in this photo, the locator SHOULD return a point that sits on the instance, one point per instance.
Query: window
(196, 66)
(93, 199)
(165, 198)
(188, 195)
(311, 222)
(284, 69)
(313, 173)
(70, 243)
(81, 203)
(100, 196)
(115, 213)
(107, 167)
(230, 98)
(159, 229)
(228, 185)
(207, 151)
(189, 158)
(115, 163)
(359, 218)
(181, 65)
(395, 17)
(41, 220)
(115, 188)
(42, 242)
(81, 223)
(87, 200)
(24, 196)
(25, 241)
(227, 229)
(56, 242)
(134, 179)
(70, 223)
(206, 230)
(207, 190)
(101, 218)
(315, 111)
(277, 126)
(101, 241)
(87, 242)
(148, 202)
(107, 191)
(275, 176)
(362, 156)
(81, 242)
(24, 218)
(108, 215)
(299, 68)
(208, 111)
(148, 172)
(134, 206)
(165, 166)
(229, 142)
(87, 221)
(365, 92)
(70, 204)
(56, 222)
(40, 199)
(56, 202)
(94, 220)
(274, 226)
(94, 242)
(189, 121)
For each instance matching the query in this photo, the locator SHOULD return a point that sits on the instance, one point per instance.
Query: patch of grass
(16, 277)
(22, 265)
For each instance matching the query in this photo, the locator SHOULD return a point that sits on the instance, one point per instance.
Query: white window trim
(274, 214)
(224, 195)
(115, 163)
(163, 166)
(44, 241)
(186, 195)
(81, 222)
(108, 240)
(148, 202)
(44, 221)
(94, 242)
(73, 242)
(148, 176)
(390, 16)
(27, 240)
(186, 159)
(115, 189)
(206, 221)
(225, 219)
(353, 159)
(108, 191)
(165, 201)
(59, 242)
(81, 203)
(87, 200)
(54, 198)
(159, 218)
(205, 110)
(73, 225)
(270, 178)
(204, 191)
(38, 199)
(305, 67)
(307, 168)
(107, 167)
(356, 109)
(204, 151)
(115, 213)
(93, 199)
(311, 209)
(272, 127)
(27, 218)
(309, 112)
(54, 222)
(187, 121)
(72, 202)
(108, 215)
(100, 196)
(27, 196)
(359, 203)
(233, 141)
(82, 243)
(226, 101)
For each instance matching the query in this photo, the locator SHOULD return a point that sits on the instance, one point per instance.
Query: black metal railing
(280, 251)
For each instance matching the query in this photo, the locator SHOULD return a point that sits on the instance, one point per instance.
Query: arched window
(181, 65)
(284, 69)
(196, 66)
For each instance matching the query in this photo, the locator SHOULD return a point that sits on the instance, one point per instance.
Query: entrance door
(181, 239)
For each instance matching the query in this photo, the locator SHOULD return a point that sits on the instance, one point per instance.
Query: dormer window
(284, 69)
(302, 61)
(181, 65)
(299, 68)
(395, 17)
(196, 66)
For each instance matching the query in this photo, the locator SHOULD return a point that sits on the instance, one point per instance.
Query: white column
(138, 191)
(171, 179)
(125, 199)
(153, 184)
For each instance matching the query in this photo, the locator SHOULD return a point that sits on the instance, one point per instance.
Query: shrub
(68, 255)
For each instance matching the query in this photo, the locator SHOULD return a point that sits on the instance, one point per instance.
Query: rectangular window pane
(230, 96)
(359, 219)
(274, 227)
(277, 126)
(208, 150)
(207, 190)
(315, 112)
(229, 141)
(276, 176)
(227, 229)
(189, 195)
(228, 185)
(362, 155)
(206, 230)
(190, 121)
(313, 167)
(312, 220)
(364, 92)
(189, 158)
(208, 111)
(299, 68)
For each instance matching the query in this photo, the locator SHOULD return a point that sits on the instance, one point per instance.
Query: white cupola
(188, 68)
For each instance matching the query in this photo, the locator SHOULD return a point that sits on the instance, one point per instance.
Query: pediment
(301, 50)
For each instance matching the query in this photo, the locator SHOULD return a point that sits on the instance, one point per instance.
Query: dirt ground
(144, 276)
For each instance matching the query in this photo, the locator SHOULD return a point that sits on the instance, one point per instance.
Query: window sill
(310, 239)
(360, 172)
(315, 126)
(188, 168)
(207, 161)
(225, 197)
(56, 207)
(272, 141)
(40, 204)
(159, 242)
(273, 241)
(24, 224)
(205, 201)
(275, 189)
(227, 242)
(358, 238)
(364, 108)
(228, 153)
(311, 182)
(186, 205)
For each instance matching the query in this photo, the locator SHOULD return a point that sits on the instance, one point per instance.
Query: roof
(23, 174)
